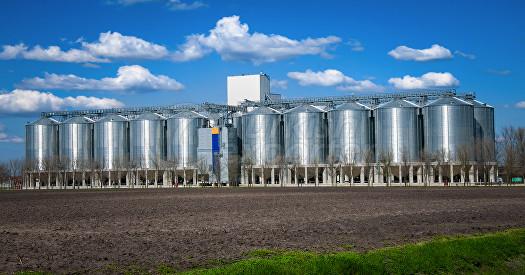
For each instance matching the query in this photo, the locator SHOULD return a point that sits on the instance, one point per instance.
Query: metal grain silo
(76, 142)
(484, 131)
(147, 138)
(305, 135)
(349, 136)
(397, 131)
(183, 138)
(448, 127)
(111, 139)
(262, 136)
(41, 142)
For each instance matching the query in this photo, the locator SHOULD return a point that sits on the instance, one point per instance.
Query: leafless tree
(368, 157)
(349, 164)
(233, 169)
(281, 164)
(331, 163)
(405, 168)
(385, 159)
(202, 170)
(426, 160)
(440, 162)
(247, 163)
(463, 155)
(4, 175)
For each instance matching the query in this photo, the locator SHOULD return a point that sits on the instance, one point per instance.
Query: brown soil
(67, 231)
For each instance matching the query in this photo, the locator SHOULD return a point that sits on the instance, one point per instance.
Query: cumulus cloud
(172, 4)
(520, 104)
(4, 137)
(279, 84)
(465, 55)
(232, 40)
(21, 101)
(129, 78)
(432, 53)
(355, 45)
(116, 45)
(336, 78)
(110, 45)
(51, 53)
(184, 6)
(426, 81)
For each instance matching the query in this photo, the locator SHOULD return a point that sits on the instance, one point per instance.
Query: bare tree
(385, 159)
(331, 163)
(368, 157)
(463, 155)
(281, 164)
(426, 160)
(405, 168)
(440, 160)
(202, 170)
(4, 175)
(247, 163)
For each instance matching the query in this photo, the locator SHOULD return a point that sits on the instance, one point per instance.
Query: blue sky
(79, 54)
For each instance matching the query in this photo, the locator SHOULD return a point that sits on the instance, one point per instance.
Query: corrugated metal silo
(111, 142)
(183, 138)
(397, 131)
(305, 135)
(147, 138)
(484, 131)
(349, 136)
(76, 142)
(262, 136)
(449, 127)
(41, 142)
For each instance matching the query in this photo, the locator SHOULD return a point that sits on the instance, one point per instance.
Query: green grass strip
(494, 253)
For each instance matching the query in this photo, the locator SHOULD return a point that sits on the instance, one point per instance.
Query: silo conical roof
(398, 103)
(305, 109)
(44, 121)
(263, 111)
(112, 117)
(449, 101)
(351, 106)
(78, 119)
(149, 116)
(190, 114)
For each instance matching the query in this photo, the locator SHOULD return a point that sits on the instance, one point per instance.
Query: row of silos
(395, 131)
(114, 141)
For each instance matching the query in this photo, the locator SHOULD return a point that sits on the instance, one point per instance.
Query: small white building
(254, 87)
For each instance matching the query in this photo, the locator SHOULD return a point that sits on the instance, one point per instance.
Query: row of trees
(481, 154)
(511, 152)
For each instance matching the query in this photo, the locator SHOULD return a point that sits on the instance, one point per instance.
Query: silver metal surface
(41, 143)
(484, 131)
(262, 136)
(111, 139)
(147, 139)
(349, 136)
(183, 138)
(449, 127)
(76, 143)
(305, 135)
(397, 131)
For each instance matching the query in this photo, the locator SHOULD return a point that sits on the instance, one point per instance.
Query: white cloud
(520, 105)
(4, 137)
(233, 41)
(426, 81)
(336, 78)
(279, 84)
(116, 45)
(31, 101)
(51, 53)
(177, 5)
(129, 78)
(12, 51)
(355, 45)
(432, 53)
(465, 55)
(499, 72)
(180, 5)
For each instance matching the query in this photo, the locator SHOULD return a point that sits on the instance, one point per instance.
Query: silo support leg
(273, 176)
(195, 177)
